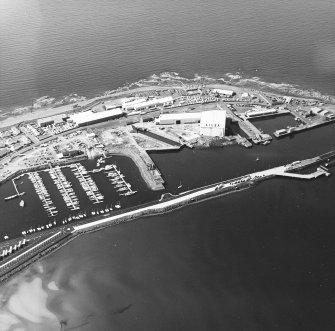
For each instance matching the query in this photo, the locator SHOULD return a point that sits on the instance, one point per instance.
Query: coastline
(164, 205)
(163, 81)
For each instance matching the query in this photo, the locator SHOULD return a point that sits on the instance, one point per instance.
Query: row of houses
(13, 131)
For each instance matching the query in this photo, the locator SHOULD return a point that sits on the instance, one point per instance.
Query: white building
(226, 93)
(260, 112)
(15, 131)
(108, 105)
(143, 103)
(88, 117)
(178, 118)
(129, 103)
(213, 123)
(316, 110)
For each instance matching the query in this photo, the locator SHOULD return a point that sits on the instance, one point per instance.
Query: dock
(297, 129)
(14, 196)
(43, 194)
(165, 204)
(253, 133)
(125, 184)
(65, 188)
(87, 183)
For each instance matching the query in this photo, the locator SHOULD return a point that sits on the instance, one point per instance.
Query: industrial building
(226, 93)
(129, 103)
(316, 110)
(140, 104)
(89, 117)
(260, 112)
(56, 119)
(108, 105)
(178, 118)
(213, 123)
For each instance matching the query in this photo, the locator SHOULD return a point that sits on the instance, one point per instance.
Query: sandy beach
(25, 303)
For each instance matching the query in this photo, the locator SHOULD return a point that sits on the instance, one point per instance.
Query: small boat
(118, 205)
(6, 237)
(22, 204)
(257, 159)
(180, 185)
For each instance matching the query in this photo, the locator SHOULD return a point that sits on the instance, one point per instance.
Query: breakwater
(166, 204)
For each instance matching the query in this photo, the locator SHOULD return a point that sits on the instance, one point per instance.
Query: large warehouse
(226, 93)
(143, 104)
(178, 118)
(89, 117)
(213, 123)
(129, 104)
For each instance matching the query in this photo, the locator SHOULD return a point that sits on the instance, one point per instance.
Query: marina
(87, 183)
(116, 178)
(66, 194)
(43, 194)
(14, 196)
(64, 187)
(167, 203)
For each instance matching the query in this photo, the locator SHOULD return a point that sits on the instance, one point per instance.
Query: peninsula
(165, 113)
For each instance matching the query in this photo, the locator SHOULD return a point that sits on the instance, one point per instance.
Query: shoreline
(161, 81)
(162, 206)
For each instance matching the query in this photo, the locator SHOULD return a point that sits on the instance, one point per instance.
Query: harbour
(256, 259)
(165, 204)
(48, 205)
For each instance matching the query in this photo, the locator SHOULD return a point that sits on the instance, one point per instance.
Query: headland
(164, 113)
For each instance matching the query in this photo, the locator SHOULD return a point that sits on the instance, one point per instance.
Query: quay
(248, 128)
(253, 133)
(263, 114)
(166, 204)
(169, 138)
(293, 130)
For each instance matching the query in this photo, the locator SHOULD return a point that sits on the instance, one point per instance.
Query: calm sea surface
(55, 47)
(262, 259)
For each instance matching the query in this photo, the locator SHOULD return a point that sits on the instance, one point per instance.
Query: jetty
(18, 194)
(167, 203)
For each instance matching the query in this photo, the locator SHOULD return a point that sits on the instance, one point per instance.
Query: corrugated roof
(89, 116)
(179, 116)
(148, 103)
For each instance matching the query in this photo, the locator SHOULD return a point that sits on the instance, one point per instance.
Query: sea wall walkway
(167, 203)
